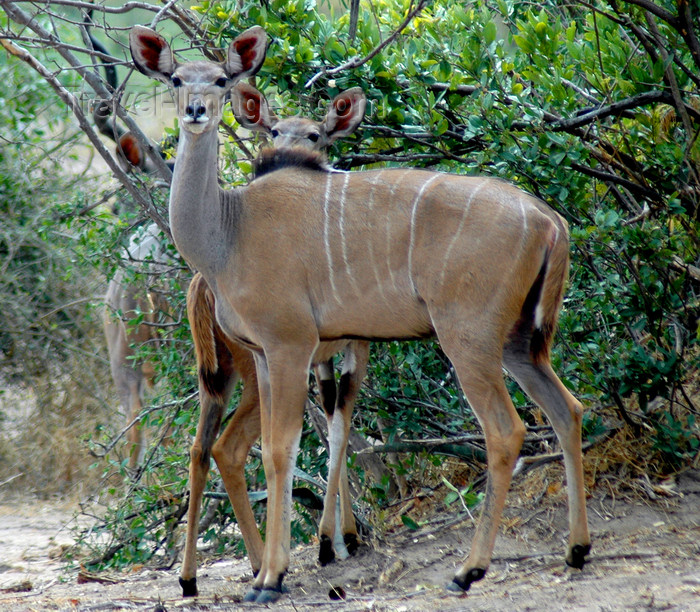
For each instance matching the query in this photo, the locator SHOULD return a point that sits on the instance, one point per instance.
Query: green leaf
(490, 32)
(409, 522)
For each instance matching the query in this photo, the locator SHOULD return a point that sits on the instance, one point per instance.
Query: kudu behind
(304, 255)
(221, 362)
(125, 301)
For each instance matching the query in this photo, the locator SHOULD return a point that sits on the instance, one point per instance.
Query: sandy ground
(646, 556)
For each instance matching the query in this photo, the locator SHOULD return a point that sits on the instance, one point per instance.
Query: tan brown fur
(313, 256)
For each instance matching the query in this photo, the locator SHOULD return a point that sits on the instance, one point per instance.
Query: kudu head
(344, 114)
(200, 87)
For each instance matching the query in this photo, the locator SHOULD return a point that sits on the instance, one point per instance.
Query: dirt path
(646, 556)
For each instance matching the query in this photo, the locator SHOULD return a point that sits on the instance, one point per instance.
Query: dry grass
(43, 442)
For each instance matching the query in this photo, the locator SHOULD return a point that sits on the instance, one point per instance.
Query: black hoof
(268, 595)
(351, 542)
(577, 556)
(189, 587)
(461, 585)
(326, 554)
(252, 594)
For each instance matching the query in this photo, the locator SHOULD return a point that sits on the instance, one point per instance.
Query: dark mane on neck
(271, 159)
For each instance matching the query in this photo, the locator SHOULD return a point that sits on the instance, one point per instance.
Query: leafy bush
(593, 107)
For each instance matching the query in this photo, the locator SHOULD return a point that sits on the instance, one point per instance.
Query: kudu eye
(313, 137)
(274, 133)
(176, 81)
(221, 82)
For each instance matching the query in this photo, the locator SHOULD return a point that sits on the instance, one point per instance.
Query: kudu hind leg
(564, 412)
(136, 434)
(217, 377)
(339, 417)
(128, 383)
(504, 432)
(231, 451)
(210, 415)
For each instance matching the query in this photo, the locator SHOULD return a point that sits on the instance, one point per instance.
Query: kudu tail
(216, 367)
(540, 311)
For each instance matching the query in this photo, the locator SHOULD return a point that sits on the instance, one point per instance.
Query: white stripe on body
(371, 243)
(341, 228)
(326, 234)
(389, 225)
(411, 244)
(460, 227)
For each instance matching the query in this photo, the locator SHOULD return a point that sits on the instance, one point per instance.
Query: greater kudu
(131, 317)
(222, 361)
(125, 302)
(304, 254)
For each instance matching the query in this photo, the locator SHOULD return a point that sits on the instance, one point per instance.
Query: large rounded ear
(246, 53)
(345, 113)
(130, 149)
(151, 53)
(251, 109)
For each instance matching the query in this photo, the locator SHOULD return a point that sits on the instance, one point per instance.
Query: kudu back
(304, 255)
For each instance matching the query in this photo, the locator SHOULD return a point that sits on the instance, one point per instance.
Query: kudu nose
(196, 109)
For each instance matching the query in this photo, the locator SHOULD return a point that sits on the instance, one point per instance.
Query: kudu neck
(195, 197)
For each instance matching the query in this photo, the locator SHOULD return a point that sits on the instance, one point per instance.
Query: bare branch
(90, 76)
(161, 13)
(655, 9)
(691, 270)
(456, 448)
(607, 177)
(356, 61)
(86, 6)
(617, 108)
(686, 29)
(85, 125)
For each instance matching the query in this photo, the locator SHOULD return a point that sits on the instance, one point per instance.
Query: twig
(441, 447)
(137, 419)
(18, 16)
(10, 479)
(356, 61)
(161, 12)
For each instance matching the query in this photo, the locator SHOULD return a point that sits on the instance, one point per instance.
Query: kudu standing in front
(221, 362)
(304, 254)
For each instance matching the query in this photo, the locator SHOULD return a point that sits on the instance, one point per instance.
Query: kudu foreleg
(283, 385)
(339, 417)
(231, 451)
